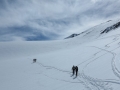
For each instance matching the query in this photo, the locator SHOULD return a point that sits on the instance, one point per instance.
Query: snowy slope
(97, 56)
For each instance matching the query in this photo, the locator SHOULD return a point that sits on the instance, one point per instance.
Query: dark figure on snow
(34, 60)
(73, 69)
(76, 68)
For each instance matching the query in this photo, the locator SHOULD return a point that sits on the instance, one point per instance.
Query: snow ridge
(117, 25)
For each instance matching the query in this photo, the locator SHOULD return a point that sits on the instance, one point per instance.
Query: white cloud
(60, 17)
(94, 1)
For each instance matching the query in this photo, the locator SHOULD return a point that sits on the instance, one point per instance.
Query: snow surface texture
(96, 55)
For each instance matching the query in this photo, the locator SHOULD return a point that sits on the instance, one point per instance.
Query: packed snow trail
(92, 83)
(114, 68)
(96, 81)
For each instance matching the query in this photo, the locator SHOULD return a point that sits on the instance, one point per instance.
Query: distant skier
(76, 68)
(73, 69)
(34, 60)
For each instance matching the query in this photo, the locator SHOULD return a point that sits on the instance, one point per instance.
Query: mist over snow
(31, 20)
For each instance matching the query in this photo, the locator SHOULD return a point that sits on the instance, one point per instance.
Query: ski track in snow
(51, 67)
(99, 84)
(89, 82)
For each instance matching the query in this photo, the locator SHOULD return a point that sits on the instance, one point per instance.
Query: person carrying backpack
(76, 68)
(73, 69)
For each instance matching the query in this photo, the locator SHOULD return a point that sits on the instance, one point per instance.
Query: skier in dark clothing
(76, 68)
(34, 60)
(73, 69)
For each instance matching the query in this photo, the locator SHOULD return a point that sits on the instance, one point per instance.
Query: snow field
(96, 55)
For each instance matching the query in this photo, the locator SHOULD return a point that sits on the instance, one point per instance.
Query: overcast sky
(52, 19)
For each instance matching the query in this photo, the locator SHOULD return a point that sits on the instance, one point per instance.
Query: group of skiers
(75, 69)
